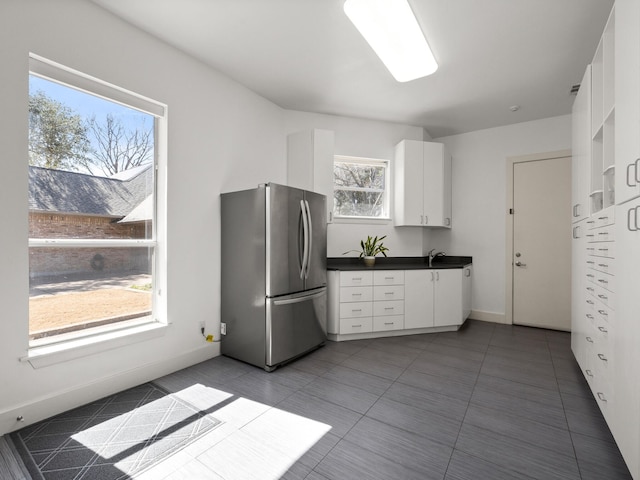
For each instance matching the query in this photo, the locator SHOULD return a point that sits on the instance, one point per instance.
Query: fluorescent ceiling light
(392, 30)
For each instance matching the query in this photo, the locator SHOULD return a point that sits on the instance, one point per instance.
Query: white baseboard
(488, 316)
(57, 402)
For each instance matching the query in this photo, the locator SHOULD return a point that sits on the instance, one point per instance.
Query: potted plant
(370, 248)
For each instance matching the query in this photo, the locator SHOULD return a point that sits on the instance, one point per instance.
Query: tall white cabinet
(606, 240)
(422, 177)
(310, 163)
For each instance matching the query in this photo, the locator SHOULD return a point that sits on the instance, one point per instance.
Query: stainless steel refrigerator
(274, 259)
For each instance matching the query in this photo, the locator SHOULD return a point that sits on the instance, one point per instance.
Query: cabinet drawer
(356, 325)
(391, 292)
(604, 265)
(603, 234)
(605, 280)
(602, 249)
(392, 307)
(388, 322)
(388, 277)
(356, 278)
(356, 294)
(356, 309)
(605, 218)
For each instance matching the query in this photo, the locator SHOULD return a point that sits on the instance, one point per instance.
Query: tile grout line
(453, 450)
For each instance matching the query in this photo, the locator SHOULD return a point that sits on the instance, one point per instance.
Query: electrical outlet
(223, 329)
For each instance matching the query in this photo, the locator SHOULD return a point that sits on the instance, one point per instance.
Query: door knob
(518, 254)
(520, 264)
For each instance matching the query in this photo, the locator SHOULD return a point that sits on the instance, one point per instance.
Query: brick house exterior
(74, 205)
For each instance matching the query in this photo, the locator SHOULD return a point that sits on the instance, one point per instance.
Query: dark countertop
(398, 263)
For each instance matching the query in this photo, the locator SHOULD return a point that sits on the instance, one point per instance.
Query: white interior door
(542, 243)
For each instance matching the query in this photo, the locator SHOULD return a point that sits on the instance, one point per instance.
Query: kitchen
(227, 138)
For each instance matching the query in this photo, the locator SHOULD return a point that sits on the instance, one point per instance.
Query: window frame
(386, 204)
(57, 346)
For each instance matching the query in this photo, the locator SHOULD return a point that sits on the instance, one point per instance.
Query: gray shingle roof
(77, 193)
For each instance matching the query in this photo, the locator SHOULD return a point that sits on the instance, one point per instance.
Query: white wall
(221, 137)
(371, 139)
(479, 199)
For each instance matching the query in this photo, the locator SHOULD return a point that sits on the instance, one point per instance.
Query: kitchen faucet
(434, 255)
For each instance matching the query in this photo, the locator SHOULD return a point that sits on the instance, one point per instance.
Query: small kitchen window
(360, 188)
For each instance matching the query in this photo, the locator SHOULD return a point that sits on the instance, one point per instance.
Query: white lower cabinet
(367, 303)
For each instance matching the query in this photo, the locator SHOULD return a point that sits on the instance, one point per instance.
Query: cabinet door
(627, 99)
(581, 149)
(418, 298)
(409, 183)
(626, 336)
(433, 175)
(448, 297)
(578, 293)
(310, 163)
(466, 291)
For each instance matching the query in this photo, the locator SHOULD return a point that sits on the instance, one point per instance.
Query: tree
(359, 189)
(117, 148)
(57, 135)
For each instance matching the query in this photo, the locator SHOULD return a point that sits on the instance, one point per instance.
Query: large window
(93, 155)
(360, 187)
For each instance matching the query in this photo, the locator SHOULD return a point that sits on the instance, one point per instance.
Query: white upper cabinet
(581, 149)
(310, 163)
(422, 177)
(603, 121)
(627, 98)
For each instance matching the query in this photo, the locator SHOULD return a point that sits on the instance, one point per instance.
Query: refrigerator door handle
(298, 298)
(305, 238)
(309, 239)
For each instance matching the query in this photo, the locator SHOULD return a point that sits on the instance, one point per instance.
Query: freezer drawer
(295, 325)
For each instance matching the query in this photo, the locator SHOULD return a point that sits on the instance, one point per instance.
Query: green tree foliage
(57, 135)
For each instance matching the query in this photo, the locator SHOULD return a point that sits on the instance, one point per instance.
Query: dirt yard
(50, 312)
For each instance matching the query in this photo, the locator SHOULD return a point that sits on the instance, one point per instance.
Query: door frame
(510, 163)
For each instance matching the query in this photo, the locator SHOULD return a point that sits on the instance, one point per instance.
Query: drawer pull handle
(590, 289)
(589, 340)
(388, 323)
(603, 218)
(602, 329)
(356, 294)
(589, 316)
(388, 308)
(603, 281)
(603, 233)
(602, 357)
(389, 278)
(603, 249)
(601, 396)
(388, 293)
(590, 302)
(589, 372)
(604, 297)
(357, 326)
(356, 310)
(603, 312)
(357, 278)
(590, 275)
(591, 262)
(591, 221)
(603, 265)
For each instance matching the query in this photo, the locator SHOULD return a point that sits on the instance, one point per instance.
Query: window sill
(363, 221)
(72, 349)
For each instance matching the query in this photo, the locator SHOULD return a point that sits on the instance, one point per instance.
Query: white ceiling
(306, 55)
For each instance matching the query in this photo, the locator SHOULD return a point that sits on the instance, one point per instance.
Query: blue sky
(87, 105)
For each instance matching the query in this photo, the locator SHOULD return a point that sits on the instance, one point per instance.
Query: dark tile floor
(487, 402)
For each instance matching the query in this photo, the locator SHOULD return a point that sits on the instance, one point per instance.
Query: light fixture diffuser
(391, 29)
